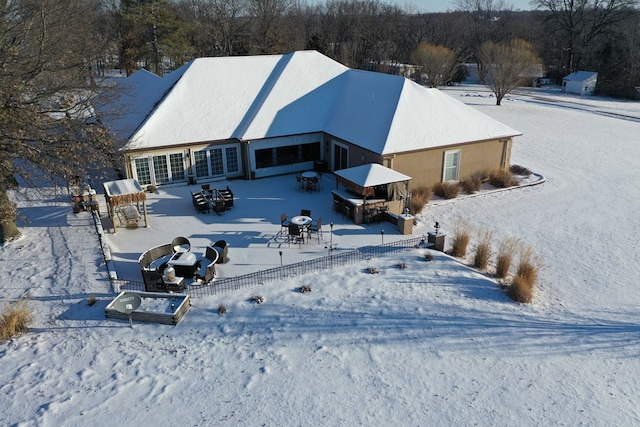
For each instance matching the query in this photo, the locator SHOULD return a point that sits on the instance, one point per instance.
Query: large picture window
(217, 161)
(451, 165)
(160, 169)
(287, 155)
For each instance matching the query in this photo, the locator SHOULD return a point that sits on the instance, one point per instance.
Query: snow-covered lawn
(435, 343)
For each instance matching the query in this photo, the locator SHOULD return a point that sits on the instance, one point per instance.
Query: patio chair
(305, 212)
(284, 222)
(226, 195)
(219, 207)
(315, 227)
(153, 281)
(295, 233)
(180, 244)
(223, 249)
(207, 270)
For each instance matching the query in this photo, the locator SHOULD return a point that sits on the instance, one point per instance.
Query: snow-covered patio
(251, 228)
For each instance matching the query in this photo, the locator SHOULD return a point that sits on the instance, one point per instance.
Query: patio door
(339, 156)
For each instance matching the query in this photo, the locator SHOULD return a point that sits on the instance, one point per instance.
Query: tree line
(594, 35)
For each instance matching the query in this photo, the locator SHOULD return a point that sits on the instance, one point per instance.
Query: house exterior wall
(426, 168)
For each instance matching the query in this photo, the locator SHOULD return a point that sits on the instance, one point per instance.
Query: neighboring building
(580, 82)
(258, 116)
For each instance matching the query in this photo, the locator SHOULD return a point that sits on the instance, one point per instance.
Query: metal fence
(331, 261)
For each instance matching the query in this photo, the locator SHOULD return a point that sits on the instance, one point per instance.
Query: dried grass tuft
(483, 249)
(501, 178)
(222, 309)
(15, 319)
(471, 184)
(419, 198)
(461, 238)
(520, 290)
(506, 250)
(446, 190)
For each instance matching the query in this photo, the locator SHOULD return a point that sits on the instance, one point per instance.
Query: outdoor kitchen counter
(352, 206)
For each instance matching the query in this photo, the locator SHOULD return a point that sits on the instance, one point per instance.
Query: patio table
(302, 220)
(185, 263)
(309, 180)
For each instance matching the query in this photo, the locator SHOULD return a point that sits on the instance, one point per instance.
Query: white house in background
(258, 116)
(580, 82)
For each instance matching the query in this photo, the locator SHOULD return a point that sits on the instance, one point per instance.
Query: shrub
(401, 265)
(483, 249)
(519, 170)
(15, 319)
(446, 190)
(222, 309)
(419, 198)
(471, 184)
(373, 270)
(520, 290)
(529, 265)
(305, 289)
(92, 300)
(428, 257)
(460, 240)
(504, 259)
(502, 179)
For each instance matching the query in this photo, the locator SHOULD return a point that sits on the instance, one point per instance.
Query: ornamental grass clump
(446, 190)
(419, 198)
(501, 178)
(506, 250)
(523, 283)
(471, 184)
(222, 309)
(15, 319)
(461, 237)
(483, 249)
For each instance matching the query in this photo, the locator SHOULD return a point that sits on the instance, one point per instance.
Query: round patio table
(309, 174)
(301, 220)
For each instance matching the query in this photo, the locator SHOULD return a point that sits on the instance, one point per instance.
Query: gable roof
(257, 97)
(580, 76)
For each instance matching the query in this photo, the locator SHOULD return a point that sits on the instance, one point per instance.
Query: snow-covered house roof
(257, 97)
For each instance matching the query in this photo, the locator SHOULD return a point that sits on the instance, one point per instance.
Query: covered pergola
(125, 200)
(370, 186)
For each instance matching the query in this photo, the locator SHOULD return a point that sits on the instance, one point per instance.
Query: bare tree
(580, 22)
(268, 15)
(437, 63)
(216, 27)
(46, 86)
(484, 20)
(508, 65)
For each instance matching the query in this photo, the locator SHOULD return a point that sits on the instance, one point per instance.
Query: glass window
(451, 165)
(160, 169)
(217, 166)
(287, 155)
(233, 165)
(202, 168)
(142, 171)
(177, 167)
